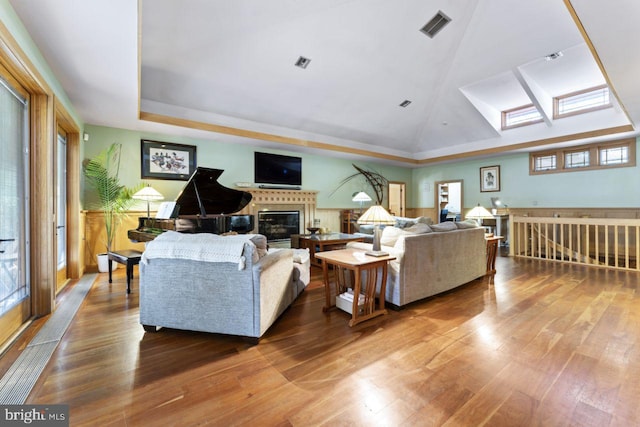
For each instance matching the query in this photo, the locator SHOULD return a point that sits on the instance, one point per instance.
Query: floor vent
(436, 24)
(17, 382)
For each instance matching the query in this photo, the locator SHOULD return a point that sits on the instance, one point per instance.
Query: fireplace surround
(278, 225)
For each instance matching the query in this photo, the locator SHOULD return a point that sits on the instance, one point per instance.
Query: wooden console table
(356, 262)
(325, 242)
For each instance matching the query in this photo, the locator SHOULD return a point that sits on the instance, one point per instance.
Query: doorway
(397, 198)
(448, 200)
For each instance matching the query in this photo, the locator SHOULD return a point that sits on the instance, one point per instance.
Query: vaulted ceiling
(225, 71)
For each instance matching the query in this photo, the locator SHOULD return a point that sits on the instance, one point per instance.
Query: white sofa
(366, 230)
(220, 284)
(430, 259)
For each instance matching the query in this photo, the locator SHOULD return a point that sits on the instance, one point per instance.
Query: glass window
(619, 153)
(520, 116)
(581, 102)
(614, 155)
(13, 199)
(545, 163)
(577, 159)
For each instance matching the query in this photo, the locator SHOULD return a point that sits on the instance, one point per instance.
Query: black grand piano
(203, 206)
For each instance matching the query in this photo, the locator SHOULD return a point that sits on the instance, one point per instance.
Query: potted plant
(113, 198)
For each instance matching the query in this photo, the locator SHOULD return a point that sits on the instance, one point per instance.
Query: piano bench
(128, 257)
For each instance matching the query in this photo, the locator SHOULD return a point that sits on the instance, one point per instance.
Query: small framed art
(490, 178)
(164, 160)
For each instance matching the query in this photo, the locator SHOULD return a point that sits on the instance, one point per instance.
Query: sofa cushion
(444, 226)
(468, 223)
(419, 228)
(390, 235)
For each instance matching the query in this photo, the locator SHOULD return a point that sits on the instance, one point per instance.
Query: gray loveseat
(220, 284)
(430, 259)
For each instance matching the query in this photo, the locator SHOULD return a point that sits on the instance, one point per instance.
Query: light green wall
(319, 173)
(18, 31)
(615, 187)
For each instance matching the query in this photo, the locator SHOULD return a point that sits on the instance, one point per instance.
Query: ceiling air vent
(405, 103)
(302, 62)
(436, 24)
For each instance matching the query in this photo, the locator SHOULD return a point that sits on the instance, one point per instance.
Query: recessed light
(302, 62)
(552, 56)
(405, 103)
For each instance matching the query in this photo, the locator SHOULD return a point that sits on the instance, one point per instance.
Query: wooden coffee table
(325, 242)
(356, 261)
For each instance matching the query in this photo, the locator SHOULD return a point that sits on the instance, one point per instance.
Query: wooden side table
(356, 262)
(325, 242)
(492, 252)
(128, 257)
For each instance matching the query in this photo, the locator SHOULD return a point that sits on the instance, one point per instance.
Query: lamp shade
(479, 212)
(149, 194)
(376, 215)
(361, 197)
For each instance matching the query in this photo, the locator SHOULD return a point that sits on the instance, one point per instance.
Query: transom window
(521, 116)
(594, 156)
(581, 102)
(577, 159)
(614, 156)
(545, 163)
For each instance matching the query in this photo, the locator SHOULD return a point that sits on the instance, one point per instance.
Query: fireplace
(278, 225)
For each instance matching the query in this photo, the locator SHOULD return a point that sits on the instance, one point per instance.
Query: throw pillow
(424, 220)
(419, 228)
(261, 244)
(444, 226)
(468, 223)
(404, 223)
(390, 235)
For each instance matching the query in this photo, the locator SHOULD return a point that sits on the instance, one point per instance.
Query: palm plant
(113, 199)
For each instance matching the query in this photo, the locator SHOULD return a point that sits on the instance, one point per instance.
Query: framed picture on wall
(490, 178)
(164, 160)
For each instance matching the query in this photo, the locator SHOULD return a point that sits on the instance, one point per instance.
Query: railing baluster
(606, 245)
(626, 246)
(606, 242)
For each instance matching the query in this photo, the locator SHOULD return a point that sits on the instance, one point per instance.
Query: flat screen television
(277, 169)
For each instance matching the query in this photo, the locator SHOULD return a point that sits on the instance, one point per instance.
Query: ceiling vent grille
(436, 24)
(302, 62)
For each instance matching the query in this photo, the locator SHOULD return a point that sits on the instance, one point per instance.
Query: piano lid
(204, 195)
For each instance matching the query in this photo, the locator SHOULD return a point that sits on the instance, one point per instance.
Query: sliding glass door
(14, 212)
(61, 212)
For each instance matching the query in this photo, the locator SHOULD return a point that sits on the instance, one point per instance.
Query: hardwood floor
(543, 344)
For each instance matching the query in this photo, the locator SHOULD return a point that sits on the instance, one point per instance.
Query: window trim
(503, 117)
(594, 157)
(556, 103)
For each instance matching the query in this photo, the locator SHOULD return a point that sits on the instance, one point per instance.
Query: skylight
(520, 116)
(581, 102)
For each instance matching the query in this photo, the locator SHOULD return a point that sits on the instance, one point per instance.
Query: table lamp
(149, 194)
(376, 216)
(361, 197)
(479, 213)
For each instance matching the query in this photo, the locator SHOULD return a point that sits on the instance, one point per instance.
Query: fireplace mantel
(276, 199)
